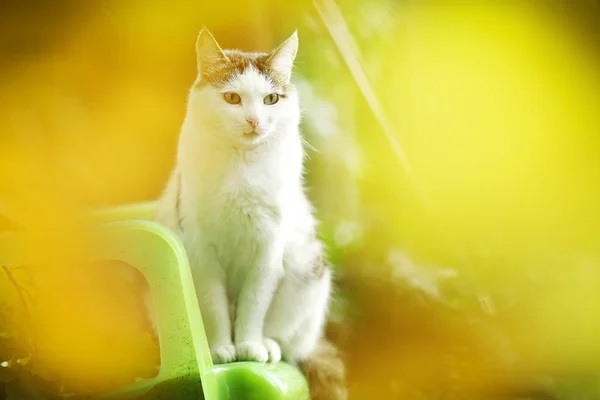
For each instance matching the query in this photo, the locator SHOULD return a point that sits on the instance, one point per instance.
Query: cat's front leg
(209, 280)
(253, 302)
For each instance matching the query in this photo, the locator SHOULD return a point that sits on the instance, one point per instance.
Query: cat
(236, 199)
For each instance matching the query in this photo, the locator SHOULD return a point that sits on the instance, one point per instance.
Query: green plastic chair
(186, 370)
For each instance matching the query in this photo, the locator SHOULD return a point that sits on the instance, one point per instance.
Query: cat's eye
(232, 98)
(271, 99)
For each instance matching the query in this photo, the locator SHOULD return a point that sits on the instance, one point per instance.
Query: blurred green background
(475, 276)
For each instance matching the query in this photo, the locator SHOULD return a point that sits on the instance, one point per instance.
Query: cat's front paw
(273, 349)
(223, 354)
(252, 350)
(261, 351)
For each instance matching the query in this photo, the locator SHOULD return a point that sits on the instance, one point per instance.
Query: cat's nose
(253, 122)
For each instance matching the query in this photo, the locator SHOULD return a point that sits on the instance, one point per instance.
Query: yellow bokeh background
(495, 105)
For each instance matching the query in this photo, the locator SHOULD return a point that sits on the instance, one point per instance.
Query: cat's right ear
(207, 51)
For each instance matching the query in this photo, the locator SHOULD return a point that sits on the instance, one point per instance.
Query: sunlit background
(456, 169)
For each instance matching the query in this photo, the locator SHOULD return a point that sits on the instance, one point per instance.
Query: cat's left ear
(282, 58)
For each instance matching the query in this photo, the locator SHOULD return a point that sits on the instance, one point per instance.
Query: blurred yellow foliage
(495, 104)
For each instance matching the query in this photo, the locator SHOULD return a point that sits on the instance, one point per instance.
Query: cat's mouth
(251, 134)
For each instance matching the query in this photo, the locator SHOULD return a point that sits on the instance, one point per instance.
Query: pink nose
(253, 122)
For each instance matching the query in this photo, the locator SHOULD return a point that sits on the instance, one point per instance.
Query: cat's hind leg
(301, 338)
(298, 313)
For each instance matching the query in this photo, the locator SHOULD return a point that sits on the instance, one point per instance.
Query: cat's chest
(241, 193)
(238, 212)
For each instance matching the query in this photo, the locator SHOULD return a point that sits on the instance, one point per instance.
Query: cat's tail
(325, 373)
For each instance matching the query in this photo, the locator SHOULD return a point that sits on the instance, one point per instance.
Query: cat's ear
(208, 51)
(282, 58)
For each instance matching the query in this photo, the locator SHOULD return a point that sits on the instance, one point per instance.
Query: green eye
(271, 99)
(232, 98)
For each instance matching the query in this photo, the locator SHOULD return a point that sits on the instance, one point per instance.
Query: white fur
(246, 223)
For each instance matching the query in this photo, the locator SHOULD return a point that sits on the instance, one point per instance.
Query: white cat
(236, 199)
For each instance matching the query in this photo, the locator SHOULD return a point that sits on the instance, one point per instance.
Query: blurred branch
(20, 291)
(340, 33)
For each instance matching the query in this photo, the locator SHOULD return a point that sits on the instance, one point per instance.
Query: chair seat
(249, 380)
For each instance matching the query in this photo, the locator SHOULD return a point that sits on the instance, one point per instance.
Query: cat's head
(244, 98)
